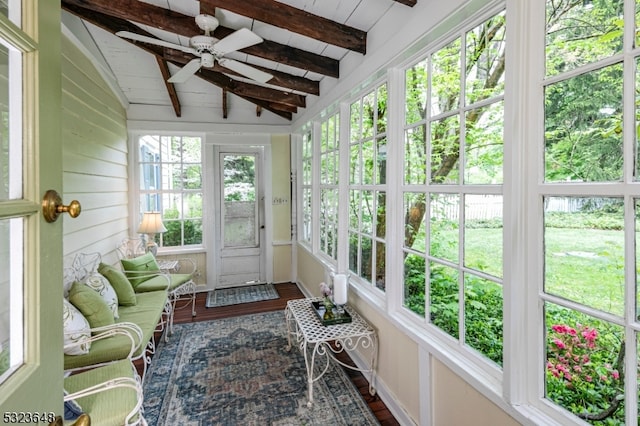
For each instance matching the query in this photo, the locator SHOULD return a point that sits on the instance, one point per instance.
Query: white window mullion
(522, 207)
(395, 196)
(343, 188)
(316, 133)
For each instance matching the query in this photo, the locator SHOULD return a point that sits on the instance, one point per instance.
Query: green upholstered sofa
(133, 255)
(131, 335)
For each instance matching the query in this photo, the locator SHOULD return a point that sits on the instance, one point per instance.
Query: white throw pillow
(100, 284)
(76, 328)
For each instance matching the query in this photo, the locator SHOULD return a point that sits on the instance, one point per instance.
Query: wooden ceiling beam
(171, 89)
(225, 111)
(114, 25)
(298, 21)
(409, 3)
(165, 19)
(241, 88)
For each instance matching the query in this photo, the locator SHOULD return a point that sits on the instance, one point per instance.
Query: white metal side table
(314, 340)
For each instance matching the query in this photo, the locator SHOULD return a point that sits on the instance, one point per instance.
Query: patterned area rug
(236, 371)
(237, 295)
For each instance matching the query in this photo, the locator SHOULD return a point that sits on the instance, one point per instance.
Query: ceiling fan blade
(245, 70)
(151, 40)
(236, 41)
(186, 72)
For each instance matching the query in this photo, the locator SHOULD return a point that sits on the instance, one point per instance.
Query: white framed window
(586, 211)
(170, 181)
(329, 157)
(307, 185)
(367, 186)
(452, 193)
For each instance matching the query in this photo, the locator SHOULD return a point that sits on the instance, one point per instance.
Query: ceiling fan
(208, 50)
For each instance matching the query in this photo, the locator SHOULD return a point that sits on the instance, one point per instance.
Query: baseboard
(383, 392)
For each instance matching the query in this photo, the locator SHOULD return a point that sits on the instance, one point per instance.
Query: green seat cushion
(91, 304)
(177, 280)
(160, 282)
(146, 314)
(120, 283)
(109, 407)
(140, 269)
(157, 283)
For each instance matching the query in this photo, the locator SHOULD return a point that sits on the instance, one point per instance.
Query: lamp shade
(151, 223)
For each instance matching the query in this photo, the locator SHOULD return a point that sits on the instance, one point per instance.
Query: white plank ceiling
(138, 75)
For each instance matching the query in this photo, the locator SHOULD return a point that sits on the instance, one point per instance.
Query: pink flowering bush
(581, 371)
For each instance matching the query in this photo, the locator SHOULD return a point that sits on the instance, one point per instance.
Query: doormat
(237, 295)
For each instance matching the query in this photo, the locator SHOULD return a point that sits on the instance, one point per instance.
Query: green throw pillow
(120, 283)
(140, 269)
(92, 306)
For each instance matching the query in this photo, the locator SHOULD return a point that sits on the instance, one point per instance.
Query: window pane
(485, 60)
(637, 31)
(365, 258)
(415, 156)
(483, 233)
(381, 216)
(381, 98)
(443, 298)
(13, 10)
(415, 206)
(367, 213)
(582, 32)
(11, 292)
(583, 136)
(170, 169)
(368, 115)
(11, 125)
(380, 266)
(354, 210)
(367, 162)
(354, 250)
(584, 251)
(444, 214)
(381, 159)
(484, 145)
(584, 365)
(355, 165)
(483, 316)
(445, 150)
(416, 81)
(414, 283)
(445, 79)
(356, 130)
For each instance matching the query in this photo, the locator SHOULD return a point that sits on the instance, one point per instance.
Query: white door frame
(235, 143)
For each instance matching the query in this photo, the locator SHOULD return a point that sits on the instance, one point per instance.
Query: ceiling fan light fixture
(207, 23)
(206, 60)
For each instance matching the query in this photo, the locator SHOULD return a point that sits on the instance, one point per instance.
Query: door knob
(52, 206)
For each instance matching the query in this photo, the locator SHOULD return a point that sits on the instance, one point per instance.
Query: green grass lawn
(585, 265)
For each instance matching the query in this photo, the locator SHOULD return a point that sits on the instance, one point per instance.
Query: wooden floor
(286, 292)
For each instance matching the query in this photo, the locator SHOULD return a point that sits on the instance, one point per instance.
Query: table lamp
(151, 224)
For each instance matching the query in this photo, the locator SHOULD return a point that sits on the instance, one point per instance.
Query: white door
(241, 220)
(30, 248)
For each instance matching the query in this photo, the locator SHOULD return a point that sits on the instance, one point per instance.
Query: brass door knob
(52, 206)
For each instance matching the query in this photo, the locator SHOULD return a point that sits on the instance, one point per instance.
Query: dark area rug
(244, 294)
(236, 371)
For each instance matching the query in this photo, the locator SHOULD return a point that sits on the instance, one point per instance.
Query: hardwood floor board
(286, 291)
